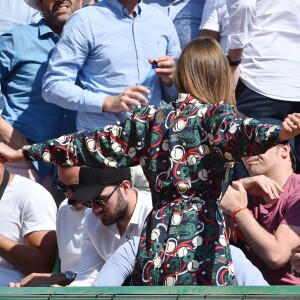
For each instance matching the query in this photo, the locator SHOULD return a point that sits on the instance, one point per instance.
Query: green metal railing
(144, 293)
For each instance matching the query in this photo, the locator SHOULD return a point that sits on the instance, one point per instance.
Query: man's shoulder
(28, 189)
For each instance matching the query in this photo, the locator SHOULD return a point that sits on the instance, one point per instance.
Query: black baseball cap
(92, 182)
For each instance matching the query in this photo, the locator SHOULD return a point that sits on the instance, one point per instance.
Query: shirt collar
(121, 9)
(44, 29)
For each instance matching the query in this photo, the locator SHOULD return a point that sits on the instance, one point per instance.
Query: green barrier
(144, 293)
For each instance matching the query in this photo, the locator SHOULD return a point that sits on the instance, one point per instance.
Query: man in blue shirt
(104, 54)
(24, 56)
(185, 14)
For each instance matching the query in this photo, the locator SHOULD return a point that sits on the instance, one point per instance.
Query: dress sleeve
(233, 136)
(119, 145)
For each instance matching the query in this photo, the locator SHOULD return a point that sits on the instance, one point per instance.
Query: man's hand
(129, 98)
(40, 279)
(11, 136)
(290, 127)
(235, 197)
(165, 69)
(8, 154)
(262, 186)
(295, 258)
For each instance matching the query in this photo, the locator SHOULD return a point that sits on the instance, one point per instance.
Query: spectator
(269, 85)
(214, 21)
(187, 150)
(117, 215)
(120, 265)
(15, 13)
(27, 232)
(185, 14)
(69, 237)
(24, 55)
(108, 66)
(271, 224)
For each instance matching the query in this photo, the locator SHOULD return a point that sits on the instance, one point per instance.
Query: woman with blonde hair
(187, 150)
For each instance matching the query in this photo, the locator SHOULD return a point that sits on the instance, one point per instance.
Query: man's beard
(120, 211)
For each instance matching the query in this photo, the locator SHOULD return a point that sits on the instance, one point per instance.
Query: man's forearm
(27, 259)
(262, 243)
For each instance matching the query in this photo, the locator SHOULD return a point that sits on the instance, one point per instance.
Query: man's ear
(125, 187)
(285, 150)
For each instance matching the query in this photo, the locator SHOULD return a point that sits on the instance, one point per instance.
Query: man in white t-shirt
(117, 214)
(69, 228)
(268, 52)
(214, 21)
(27, 231)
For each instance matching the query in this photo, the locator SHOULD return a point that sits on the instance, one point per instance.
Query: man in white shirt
(268, 52)
(27, 231)
(117, 214)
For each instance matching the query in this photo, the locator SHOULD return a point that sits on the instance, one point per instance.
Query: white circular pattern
(155, 234)
(170, 281)
(116, 147)
(222, 240)
(177, 154)
(131, 152)
(157, 262)
(176, 219)
(182, 251)
(180, 125)
(203, 175)
(46, 157)
(170, 246)
(191, 160)
(90, 143)
(197, 241)
(193, 266)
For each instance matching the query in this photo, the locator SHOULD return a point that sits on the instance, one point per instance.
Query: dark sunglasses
(100, 200)
(64, 188)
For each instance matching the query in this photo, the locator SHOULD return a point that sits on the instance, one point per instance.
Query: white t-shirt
(100, 242)
(69, 230)
(215, 17)
(25, 207)
(271, 61)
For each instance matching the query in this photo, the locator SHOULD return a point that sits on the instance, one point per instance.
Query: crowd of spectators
(82, 65)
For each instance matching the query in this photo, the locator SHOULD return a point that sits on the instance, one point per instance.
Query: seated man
(117, 214)
(68, 237)
(27, 231)
(120, 266)
(268, 214)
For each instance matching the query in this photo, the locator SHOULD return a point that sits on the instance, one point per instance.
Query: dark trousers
(267, 110)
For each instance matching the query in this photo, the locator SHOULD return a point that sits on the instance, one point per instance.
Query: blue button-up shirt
(186, 15)
(105, 50)
(24, 56)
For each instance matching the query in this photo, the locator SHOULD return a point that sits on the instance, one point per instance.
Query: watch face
(70, 275)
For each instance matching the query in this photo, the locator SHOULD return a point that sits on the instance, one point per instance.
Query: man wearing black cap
(117, 214)
(269, 215)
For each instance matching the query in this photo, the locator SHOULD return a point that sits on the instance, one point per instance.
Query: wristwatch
(295, 273)
(70, 276)
(233, 63)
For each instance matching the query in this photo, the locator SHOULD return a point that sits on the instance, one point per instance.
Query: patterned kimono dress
(187, 150)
